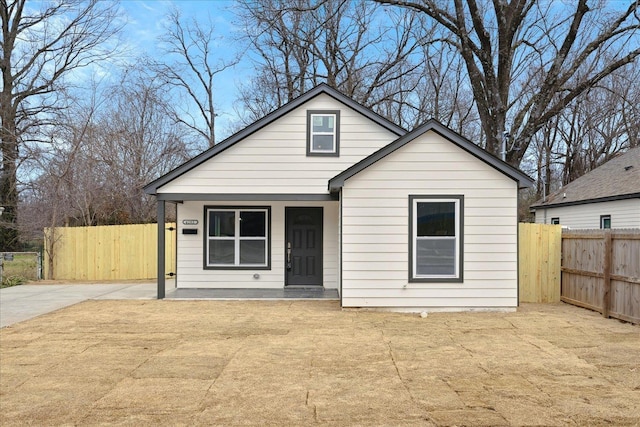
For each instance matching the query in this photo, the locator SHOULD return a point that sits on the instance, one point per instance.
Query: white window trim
(335, 148)
(457, 276)
(237, 238)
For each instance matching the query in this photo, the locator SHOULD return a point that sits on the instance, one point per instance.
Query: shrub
(15, 280)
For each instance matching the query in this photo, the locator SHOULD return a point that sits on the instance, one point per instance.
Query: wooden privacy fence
(539, 256)
(111, 252)
(601, 271)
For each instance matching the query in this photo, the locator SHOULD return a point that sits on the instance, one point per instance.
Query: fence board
(601, 271)
(539, 248)
(113, 252)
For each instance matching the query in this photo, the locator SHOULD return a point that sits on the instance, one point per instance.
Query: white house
(606, 197)
(324, 193)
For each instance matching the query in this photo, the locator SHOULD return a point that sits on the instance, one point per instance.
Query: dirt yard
(305, 363)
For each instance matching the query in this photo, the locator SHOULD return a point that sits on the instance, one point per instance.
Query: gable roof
(617, 179)
(322, 88)
(523, 180)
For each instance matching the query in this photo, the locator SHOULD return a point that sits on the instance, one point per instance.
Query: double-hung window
(323, 133)
(237, 237)
(436, 241)
(605, 221)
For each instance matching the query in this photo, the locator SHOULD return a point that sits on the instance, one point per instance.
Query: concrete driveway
(24, 302)
(20, 303)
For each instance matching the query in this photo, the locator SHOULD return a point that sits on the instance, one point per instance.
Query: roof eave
(523, 180)
(587, 201)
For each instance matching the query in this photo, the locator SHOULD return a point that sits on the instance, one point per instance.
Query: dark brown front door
(303, 246)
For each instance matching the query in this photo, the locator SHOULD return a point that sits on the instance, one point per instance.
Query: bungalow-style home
(606, 197)
(325, 194)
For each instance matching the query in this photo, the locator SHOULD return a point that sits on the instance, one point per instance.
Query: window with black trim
(323, 133)
(605, 221)
(555, 221)
(237, 237)
(436, 238)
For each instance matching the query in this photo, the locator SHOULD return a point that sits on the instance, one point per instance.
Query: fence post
(606, 297)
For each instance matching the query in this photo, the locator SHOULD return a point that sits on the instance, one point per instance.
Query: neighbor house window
(237, 237)
(555, 221)
(436, 240)
(323, 133)
(605, 221)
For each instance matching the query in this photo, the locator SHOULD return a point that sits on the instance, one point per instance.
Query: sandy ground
(308, 362)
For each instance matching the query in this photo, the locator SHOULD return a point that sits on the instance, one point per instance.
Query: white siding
(375, 229)
(624, 214)
(274, 159)
(190, 256)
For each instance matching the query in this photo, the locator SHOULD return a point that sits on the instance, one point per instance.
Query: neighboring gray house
(324, 193)
(606, 197)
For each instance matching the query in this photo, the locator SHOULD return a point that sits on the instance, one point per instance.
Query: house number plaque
(190, 222)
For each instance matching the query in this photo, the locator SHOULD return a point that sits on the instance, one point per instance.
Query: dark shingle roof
(617, 179)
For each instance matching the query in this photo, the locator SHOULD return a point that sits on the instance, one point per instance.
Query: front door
(303, 246)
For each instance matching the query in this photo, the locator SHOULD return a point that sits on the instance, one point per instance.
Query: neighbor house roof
(322, 88)
(523, 180)
(617, 179)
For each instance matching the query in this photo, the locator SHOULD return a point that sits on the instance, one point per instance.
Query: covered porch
(295, 249)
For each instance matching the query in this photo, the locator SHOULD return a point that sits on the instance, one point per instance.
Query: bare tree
(279, 37)
(42, 44)
(527, 60)
(352, 46)
(136, 141)
(49, 197)
(102, 150)
(592, 129)
(442, 92)
(190, 66)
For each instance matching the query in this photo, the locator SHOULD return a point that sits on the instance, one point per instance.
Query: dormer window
(323, 133)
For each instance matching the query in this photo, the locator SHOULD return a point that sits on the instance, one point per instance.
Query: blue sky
(145, 23)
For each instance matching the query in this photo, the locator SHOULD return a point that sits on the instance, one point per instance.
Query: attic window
(323, 133)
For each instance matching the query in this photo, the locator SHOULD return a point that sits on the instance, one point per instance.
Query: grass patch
(22, 268)
(9, 281)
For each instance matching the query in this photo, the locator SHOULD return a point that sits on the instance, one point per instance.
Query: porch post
(161, 248)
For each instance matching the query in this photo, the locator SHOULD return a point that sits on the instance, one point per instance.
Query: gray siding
(624, 214)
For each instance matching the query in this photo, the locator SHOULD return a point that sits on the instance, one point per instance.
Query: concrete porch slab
(253, 294)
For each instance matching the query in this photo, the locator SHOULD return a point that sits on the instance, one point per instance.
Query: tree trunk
(8, 179)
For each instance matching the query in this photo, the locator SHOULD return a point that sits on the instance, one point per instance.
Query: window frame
(336, 133)
(458, 277)
(604, 218)
(237, 238)
(555, 220)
